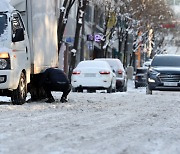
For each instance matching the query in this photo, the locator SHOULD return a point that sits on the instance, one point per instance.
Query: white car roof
(113, 62)
(92, 63)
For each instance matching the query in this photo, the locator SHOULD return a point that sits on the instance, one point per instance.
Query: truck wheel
(37, 93)
(18, 96)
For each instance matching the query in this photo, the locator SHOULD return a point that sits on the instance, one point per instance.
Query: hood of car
(167, 70)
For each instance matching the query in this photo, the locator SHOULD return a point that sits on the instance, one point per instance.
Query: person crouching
(54, 79)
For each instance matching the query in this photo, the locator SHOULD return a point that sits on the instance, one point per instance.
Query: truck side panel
(42, 30)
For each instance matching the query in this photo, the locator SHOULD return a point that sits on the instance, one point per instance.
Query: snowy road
(91, 123)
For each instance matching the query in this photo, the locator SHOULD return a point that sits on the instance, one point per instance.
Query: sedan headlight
(151, 80)
(153, 72)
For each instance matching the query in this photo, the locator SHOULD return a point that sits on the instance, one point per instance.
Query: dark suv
(164, 73)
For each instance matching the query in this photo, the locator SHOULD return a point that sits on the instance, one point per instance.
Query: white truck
(28, 45)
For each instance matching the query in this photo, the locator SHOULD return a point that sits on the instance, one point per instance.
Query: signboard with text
(96, 37)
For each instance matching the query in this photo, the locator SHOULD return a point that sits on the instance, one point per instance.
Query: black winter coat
(54, 75)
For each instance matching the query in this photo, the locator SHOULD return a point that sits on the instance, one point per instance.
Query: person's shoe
(63, 100)
(50, 100)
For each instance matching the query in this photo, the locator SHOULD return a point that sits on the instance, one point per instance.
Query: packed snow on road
(90, 123)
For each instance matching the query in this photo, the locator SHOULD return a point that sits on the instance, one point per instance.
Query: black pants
(63, 87)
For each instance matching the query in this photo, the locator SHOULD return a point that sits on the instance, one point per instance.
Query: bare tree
(149, 13)
(144, 16)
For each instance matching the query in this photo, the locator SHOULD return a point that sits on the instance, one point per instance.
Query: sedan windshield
(169, 61)
(3, 24)
(93, 63)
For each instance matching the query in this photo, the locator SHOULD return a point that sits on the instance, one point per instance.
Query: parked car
(140, 77)
(93, 75)
(164, 73)
(121, 76)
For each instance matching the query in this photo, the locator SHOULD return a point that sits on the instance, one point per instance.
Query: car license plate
(90, 75)
(170, 83)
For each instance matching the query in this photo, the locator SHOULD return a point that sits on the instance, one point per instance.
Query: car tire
(114, 90)
(18, 96)
(80, 90)
(74, 89)
(91, 91)
(109, 90)
(148, 90)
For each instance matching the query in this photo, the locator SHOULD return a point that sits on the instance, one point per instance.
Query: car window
(3, 23)
(114, 64)
(93, 64)
(166, 61)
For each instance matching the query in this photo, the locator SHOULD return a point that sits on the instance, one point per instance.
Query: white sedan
(93, 75)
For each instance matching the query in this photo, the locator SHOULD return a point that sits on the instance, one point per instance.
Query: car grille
(169, 78)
